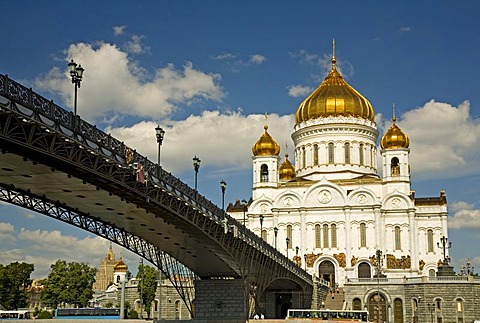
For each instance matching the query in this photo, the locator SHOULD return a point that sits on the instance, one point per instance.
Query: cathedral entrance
(364, 270)
(377, 308)
(326, 271)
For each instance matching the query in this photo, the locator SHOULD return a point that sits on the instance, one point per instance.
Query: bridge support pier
(220, 299)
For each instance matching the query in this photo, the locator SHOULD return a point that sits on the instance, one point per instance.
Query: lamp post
(223, 186)
(261, 226)
(244, 203)
(305, 260)
(287, 240)
(431, 308)
(160, 133)
(76, 72)
(444, 244)
(275, 232)
(196, 167)
(379, 269)
(141, 288)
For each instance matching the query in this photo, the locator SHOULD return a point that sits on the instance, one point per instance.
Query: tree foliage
(147, 286)
(69, 283)
(14, 280)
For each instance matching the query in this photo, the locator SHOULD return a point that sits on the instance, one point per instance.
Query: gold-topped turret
(286, 171)
(334, 97)
(266, 145)
(394, 137)
(120, 266)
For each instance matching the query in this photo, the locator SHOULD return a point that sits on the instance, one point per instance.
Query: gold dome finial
(286, 171)
(266, 145)
(334, 97)
(394, 137)
(120, 266)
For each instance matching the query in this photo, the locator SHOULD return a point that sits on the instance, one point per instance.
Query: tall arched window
(315, 155)
(331, 153)
(325, 235)
(289, 236)
(317, 236)
(264, 173)
(304, 158)
(398, 241)
(346, 147)
(429, 240)
(395, 166)
(333, 229)
(361, 155)
(459, 306)
(177, 310)
(363, 235)
(398, 311)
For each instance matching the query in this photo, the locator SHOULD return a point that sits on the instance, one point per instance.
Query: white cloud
(119, 30)
(224, 56)
(114, 85)
(221, 140)
(7, 232)
(299, 90)
(405, 29)
(444, 140)
(257, 59)
(135, 45)
(465, 216)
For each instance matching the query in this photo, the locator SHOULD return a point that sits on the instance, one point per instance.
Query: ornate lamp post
(76, 72)
(431, 308)
(196, 167)
(244, 203)
(287, 240)
(275, 231)
(379, 271)
(444, 244)
(160, 133)
(261, 226)
(223, 186)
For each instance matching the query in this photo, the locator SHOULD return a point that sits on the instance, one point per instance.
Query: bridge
(54, 163)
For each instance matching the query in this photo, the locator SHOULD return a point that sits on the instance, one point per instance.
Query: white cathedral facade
(332, 212)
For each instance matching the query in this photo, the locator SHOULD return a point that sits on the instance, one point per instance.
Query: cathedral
(333, 211)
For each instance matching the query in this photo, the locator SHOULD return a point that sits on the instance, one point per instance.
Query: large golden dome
(334, 97)
(266, 145)
(287, 170)
(394, 138)
(120, 266)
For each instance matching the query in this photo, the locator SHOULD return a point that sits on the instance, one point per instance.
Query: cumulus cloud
(136, 46)
(209, 135)
(119, 30)
(445, 140)
(405, 29)
(299, 90)
(465, 215)
(257, 59)
(7, 232)
(114, 85)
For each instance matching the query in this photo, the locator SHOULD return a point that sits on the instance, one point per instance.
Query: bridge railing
(34, 106)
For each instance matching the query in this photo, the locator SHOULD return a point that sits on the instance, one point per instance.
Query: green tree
(14, 280)
(69, 283)
(147, 286)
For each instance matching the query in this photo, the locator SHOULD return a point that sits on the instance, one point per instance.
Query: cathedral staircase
(335, 300)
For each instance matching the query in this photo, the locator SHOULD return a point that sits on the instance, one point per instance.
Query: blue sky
(208, 71)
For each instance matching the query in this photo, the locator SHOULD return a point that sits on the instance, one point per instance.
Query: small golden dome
(266, 145)
(286, 170)
(120, 266)
(394, 138)
(334, 97)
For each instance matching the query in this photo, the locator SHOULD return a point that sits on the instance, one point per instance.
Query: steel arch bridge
(55, 163)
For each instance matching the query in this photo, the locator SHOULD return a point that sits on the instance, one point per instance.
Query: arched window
(264, 235)
(331, 153)
(317, 236)
(155, 305)
(177, 310)
(304, 158)
(429, 240)
(432, 273)
(333, 230)
(398, 311)
(356, 304)
(346, 147)
(315, 155)
(363, 235)
(325, 235)
(361, 155)
(289, 236)
(395, 166)
(398, 242)
(438, 305)
(459, 306)
(264, 173)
